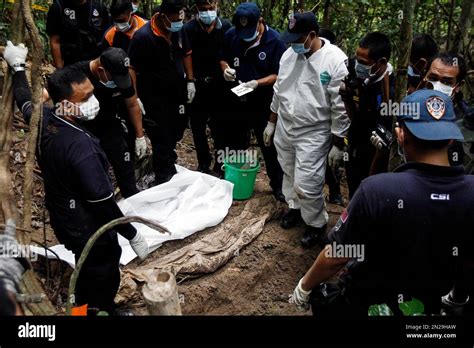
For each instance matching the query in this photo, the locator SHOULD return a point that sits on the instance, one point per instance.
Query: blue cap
(429, 115)
(300, 24)
(246, 19)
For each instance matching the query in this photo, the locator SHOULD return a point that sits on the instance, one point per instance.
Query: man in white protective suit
(308, 117)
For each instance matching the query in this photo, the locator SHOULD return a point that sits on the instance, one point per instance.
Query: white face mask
(441, 87)
(89, 109)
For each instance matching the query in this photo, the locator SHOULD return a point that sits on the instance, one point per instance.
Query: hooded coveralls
(309, 108)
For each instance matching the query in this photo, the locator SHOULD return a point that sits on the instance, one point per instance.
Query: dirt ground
(257, 281)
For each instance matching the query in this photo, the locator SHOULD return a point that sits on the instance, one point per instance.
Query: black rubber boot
(291, 218)
(336, 199)
(312, 235)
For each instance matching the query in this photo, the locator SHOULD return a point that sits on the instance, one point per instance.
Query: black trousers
(241, 117)
(165, 124)
(332, 181)
(274, 171)
(358, 165)
(202, 112)
(113, 141)
(99, 279)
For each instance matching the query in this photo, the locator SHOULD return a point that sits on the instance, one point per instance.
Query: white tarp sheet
(188, 203)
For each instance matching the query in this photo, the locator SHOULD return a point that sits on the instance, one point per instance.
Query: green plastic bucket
(242, 178)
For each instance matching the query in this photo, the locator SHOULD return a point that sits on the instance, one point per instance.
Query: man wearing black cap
(415, 225)
(160, 57)
(114, 89)
(310, 114)
(251, 54)
(206, 35)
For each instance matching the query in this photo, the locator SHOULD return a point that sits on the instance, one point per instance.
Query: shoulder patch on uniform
(344, 215)
(291, 20)
(325, 78)
(436, 107)
(342, 220)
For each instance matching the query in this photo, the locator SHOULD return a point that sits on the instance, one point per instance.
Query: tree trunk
(327, 14)
(465, 21)
(406, 36)
(450, 25)
(8, 207)
(37, 53)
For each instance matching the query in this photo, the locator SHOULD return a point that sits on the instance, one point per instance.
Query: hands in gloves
(229, 74)
(450, 307)
(15, 55)
(139, 246)
(268, 133)
(11, 269)
(301, 297)
(336, 158)
(251, 84)
(140, 147)
(191, 91)
(378, 141)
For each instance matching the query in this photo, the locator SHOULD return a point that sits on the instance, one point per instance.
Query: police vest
(79, 42)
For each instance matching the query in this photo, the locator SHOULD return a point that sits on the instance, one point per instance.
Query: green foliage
(350, 20)
(410, 308)
(380, 310)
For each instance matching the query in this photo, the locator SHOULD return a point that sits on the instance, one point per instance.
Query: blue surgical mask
(175, 26)
(362, 70)
(411, 72)
(207, 17)
(300, 48)
(250, 39)
(108, 83)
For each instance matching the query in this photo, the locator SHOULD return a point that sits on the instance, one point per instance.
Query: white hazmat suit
(309, 108)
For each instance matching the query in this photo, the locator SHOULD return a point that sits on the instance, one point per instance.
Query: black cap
(300, 24)
(172, 6)
(116, 62)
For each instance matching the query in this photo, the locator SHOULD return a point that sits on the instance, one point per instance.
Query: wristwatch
(18, 67)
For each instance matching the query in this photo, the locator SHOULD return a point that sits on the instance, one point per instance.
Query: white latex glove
(336, 158)
(377, 141)
(142, 108)
(191, 91)
(15, 55)
(140, 147)
(229, 74)
(268, 133)
(251, 84)
(449, 307)
(301, 297)
(139, 246)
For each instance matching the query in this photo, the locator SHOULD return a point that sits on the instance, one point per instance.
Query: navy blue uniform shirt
(159, 64)
(417, 228)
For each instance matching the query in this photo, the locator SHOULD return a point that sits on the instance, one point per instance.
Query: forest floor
(257, 281)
